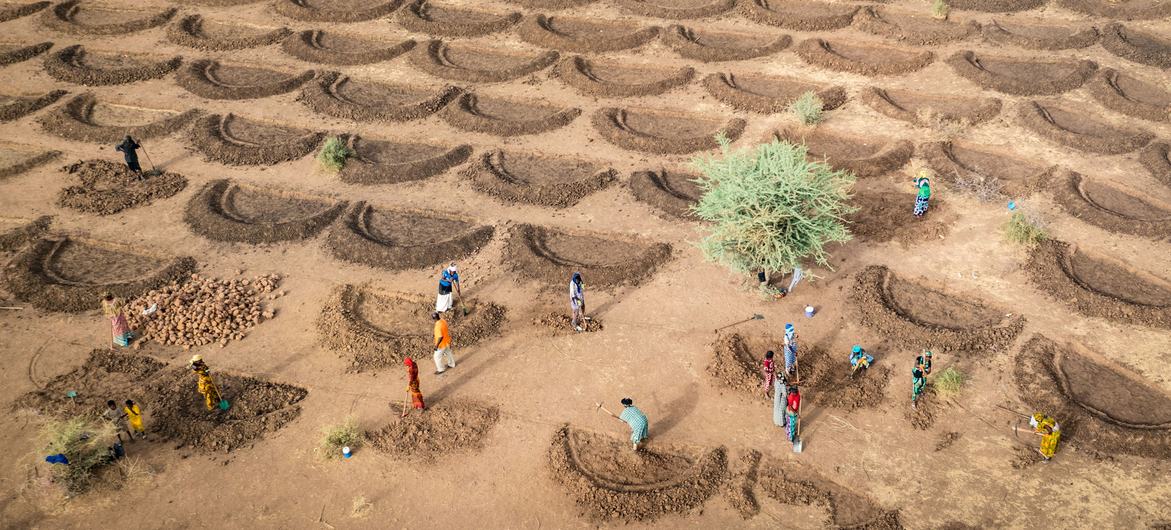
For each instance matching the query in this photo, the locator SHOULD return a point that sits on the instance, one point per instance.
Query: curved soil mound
(864, 157)
(1100, 407)
(397, 239)
(217, 3)
(317, 46)
(765, 94)
(613, 79)
(1131, 96)
(14, 162)
(677, 9)
(540, 180)
(71, 274)
(736, 364)
(1021, 76)
(335, 10)
(864, 59)
(887, 216)
(715, 46)
(609, 482)
(663, 132)
(550, 4)
(1157, 159)
(1040, 37)
(478, 64)
(799, 485)
(1137, 46)
(377, 329)
(17, 107)
(342, 96)
(995, 6)
(1100, 287)
(505, 117)
(84, 119)
(604, 260)
(919, 108)
(421, 16)
(1080, 130)
(229, 139)
(15, 11)
(387, 162)
(799, 15)
(73, 64)
(956, 161)
(671, 192)
(228, 211)
(211, 80)
(922, 30)
(584, 35)
(560, 323)
(1111, 208)
(19, 232)
(1120, 9)
(451, 427)
(82, 18)
(15, 53)
(916, 316)
(176, 410)
(194, 31)
(108, 188)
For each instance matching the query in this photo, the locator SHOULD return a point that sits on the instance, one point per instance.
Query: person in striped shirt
(635, 419)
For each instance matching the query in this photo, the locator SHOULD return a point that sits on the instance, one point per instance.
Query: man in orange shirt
(442, 345)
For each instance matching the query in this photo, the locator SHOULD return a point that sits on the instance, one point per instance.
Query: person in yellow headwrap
(1050, 432)
(207, 387)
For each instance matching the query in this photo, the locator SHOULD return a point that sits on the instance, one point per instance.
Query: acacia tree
(770, 208)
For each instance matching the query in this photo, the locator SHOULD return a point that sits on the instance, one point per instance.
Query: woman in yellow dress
(1050, 432)
(134, 417)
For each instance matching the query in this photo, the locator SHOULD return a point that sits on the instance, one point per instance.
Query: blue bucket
(809, 310)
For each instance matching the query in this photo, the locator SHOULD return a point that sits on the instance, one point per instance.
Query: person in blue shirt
(448, 280)
(859, 359)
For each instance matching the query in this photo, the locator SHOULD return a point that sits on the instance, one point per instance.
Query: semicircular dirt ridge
(335, 10)
(1157, 159)
(556, 182)
(1101, 287)
(550, 4)
(768, 94)
(676, 9)
(882, 217)
(1022, 76)
(74, 64)
(228, 211)
(82, 18)
(551, 256)
(663, 132)
(612, 483)
(505, 117)
(616, 79)
(1139, 46)
(715, 46)
(423, 16)
(917, 316)
(799, 15)
(1120, 9)
(375, 329)
(71, 274)
(83, 118)
(584, 35)
(671, 192)
(1112, 208)
(15, 53)
(19, 232)
(478, 64)
(450, 427)
(920, 108)
(322, 47)
(1039, 36)
(995, 6)
(389, 161)
(958, 161)
(19, 161)
(1099, 406)
(193, 31)
(15, 11)
(922, 30)
(1079, 129)
(211, 79)
(17, 107)
(862, 58)
(341, 96)
(104, 187)
(1132, 96)
(216, 3)
(399, 239)
(863, 156)
(795, 484)
(230, 139)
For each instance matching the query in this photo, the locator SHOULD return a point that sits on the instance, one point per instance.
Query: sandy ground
(657, 337)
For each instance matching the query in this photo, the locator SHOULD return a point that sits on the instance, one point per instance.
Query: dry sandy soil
(485, 147)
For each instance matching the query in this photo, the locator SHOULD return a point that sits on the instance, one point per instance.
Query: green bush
(770, 208)
(85, 442)
(1025, 229)
(949, 382)
(807, 108)
(334, 153)
(335, 437)
(940, 9)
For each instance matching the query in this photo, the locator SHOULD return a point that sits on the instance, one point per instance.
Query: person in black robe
(128, 148)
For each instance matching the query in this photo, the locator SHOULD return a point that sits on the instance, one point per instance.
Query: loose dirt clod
(202, 310)
(452, 426)
(740, 489)
(107, 187)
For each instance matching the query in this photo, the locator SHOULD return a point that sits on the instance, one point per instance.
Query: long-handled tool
(798, 444)
(459, 299)
(1018, 413)
(224, 405)
(153, 170)
(749, 319)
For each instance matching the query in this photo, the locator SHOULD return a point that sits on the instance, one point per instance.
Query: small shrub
(983, 189)
(134, 469)
(335, 437)
(940, 9)
(949, 382)
(85, 442)
(1025, 229)
(807, 108)
(334, 153)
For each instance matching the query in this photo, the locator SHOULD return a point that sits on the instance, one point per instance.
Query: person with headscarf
(769, 371)
(115, 310)
(923, 195)
(206, 386)
(1050, 432)
(448, 280)
(793, 412)
(780, 399)
(790, 349)
(413, 387)
(924, 362)
(918, 385)
(577, 300)
(859, 359)
(128, 148)
(134, 419)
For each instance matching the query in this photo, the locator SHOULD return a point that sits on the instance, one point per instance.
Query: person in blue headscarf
(859, 359)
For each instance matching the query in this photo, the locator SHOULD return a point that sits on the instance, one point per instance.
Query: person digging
(634, 418)
(918, 385)
(859, 360)
(129, 148)
(206, 386)
(1050, 432)
(413, 391)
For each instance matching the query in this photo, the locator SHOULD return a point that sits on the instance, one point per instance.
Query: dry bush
(949, 383)
(940, 9)
(983, 189)
(807, 108)
(86, 442)
(334, 154)
(335, 437)
(1025, 229)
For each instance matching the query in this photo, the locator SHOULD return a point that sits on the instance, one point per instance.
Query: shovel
(749, 319)
(798, 445)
